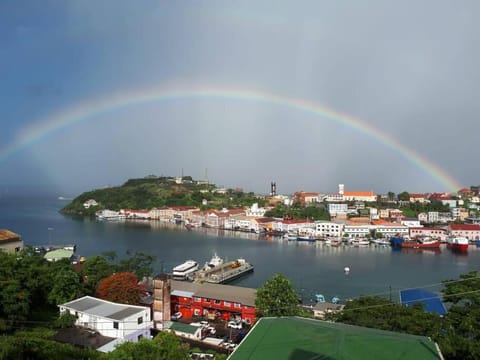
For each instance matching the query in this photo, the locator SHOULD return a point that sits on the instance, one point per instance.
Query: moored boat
(421, 243)
(183, 271)
(457, 243)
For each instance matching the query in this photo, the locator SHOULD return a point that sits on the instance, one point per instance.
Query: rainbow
(90, 108)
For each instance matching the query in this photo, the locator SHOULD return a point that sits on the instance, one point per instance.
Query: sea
(312, 268)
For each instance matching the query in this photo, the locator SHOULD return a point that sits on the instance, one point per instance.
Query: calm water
(312, 268)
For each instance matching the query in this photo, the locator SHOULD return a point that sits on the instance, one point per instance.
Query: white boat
(182, 271)
(110, 215)
(381, 242)
(360, 242)
(214, 262)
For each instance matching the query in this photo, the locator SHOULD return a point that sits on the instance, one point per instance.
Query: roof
(300, 338)
(471, 227)
(59, 254)
(103, 308)
(431, 301)
(81, 337)
(359, 193)
(178, 326)
(242, 295)
(7, 235)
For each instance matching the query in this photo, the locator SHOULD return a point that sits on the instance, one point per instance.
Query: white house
(254, 210)
(119, 321)
(89, 203)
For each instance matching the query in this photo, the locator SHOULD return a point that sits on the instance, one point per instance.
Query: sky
(376, 95)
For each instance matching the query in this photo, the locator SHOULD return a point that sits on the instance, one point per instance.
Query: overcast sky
(408, 69)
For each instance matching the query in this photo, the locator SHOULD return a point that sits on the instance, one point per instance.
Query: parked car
(234, 325)
(176, 316)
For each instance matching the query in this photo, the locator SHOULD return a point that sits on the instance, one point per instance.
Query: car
(177, 316)
(234, 325)
(204, 323)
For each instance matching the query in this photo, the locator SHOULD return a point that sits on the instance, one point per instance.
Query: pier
(225, 272)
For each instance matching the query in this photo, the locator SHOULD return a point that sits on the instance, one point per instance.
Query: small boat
(307, 238)
(457, 243)
(214, 262)
(335, 242)
(360, 242)
(291, 236)
(381, 242)
(421, 243)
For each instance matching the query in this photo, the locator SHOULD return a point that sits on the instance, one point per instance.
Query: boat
(185, 270)
(381, 242)
(307, 238)
(457, 243)
(335, 242)
(225, 272)
(107, 214)
(396, 241)
(421, 243)
(214, 262)
(291, 236)
(360, 242)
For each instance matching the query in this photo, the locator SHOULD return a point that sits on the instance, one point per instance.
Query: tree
(137, 263)
(66, 286)
(391, 196)
(94, 270)
(404, 196)
(277, 298)
(122, 288)
(15, 300)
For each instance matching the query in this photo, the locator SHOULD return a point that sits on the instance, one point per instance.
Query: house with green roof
(296, 338)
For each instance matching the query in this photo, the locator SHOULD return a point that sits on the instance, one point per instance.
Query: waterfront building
(390, 229)
(296, 226)
(119, 321)
(10, 242)
(356, 230)
(469, 231)
(328, 229)
(433, 232)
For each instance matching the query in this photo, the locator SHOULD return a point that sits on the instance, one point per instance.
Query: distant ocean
(312, 268)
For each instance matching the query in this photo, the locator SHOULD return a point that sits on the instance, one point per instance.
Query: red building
(213, 301)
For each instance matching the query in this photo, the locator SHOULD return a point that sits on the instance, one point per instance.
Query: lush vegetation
(154, 192)
(412, 210)
(32, 287)
(297, 211)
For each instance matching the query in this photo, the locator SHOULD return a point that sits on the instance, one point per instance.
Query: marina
(313, 268)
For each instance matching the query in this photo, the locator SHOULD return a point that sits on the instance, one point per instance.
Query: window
(197, 299)
(139, 320)
(226, 303)
(115, 324)
(206, 300)
(237, 305)
(217, 302)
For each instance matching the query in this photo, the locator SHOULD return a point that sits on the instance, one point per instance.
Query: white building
(254, 210)
(328, 229)
(89, 203)
(412, 222)
(360, 230)
(119, 321)
(334, 209)
(389, 230)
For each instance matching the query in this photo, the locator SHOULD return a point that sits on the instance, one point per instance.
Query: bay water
(313, 268)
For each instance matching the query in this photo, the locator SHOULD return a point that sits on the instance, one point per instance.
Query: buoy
(346, 269)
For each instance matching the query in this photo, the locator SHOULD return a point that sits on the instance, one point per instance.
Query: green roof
(301, 338)
(59, 254)
(189, 329)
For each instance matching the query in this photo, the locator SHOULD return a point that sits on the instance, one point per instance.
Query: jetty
(225, 272)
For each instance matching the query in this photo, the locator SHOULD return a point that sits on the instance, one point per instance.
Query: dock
(224, 273)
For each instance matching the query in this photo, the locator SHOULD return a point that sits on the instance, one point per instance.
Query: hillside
(153, 192)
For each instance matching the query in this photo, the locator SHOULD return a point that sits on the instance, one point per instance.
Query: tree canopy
(277, 298)
(122, 288)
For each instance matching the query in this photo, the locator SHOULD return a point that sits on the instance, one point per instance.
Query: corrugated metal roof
(431, 302)
(103, 308)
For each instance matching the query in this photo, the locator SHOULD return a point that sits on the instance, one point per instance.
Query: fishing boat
(457, 243)
(421, 243)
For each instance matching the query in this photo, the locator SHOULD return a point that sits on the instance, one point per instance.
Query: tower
(341, 189)
(273, 188)
(161, 300)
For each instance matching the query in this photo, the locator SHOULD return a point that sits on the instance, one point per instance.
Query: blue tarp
(430, 300)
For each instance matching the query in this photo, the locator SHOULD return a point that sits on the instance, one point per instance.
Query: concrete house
(120, 321)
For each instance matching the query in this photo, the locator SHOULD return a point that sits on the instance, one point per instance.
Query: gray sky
(407, 69)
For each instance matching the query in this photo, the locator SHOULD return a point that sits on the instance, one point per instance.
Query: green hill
(153, 192)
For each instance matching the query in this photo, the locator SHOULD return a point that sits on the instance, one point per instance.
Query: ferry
(457, 243)
(185, 270)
